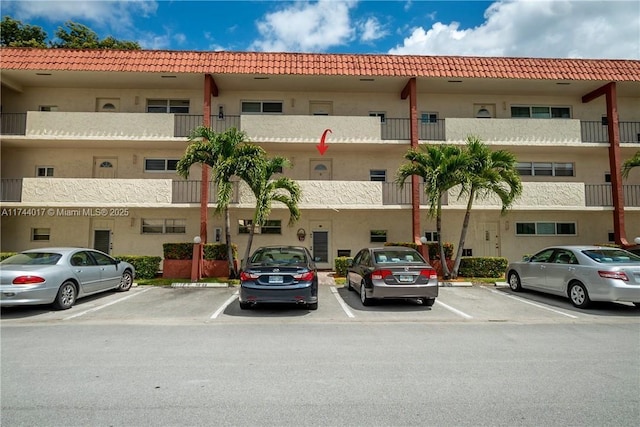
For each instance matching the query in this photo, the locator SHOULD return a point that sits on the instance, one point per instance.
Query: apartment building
(90, 141)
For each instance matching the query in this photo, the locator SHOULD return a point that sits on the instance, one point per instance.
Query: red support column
(410, 91)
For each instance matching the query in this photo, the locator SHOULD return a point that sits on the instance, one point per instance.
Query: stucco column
(411, 92)
(613, 130)
(204, 187)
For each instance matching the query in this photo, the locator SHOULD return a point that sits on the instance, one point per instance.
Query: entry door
(320, 170)
(104, 167)
(102, 240)
(491, 239)
(320, 108)
(320, 241)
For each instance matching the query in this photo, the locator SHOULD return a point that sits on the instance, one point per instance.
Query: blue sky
(519, 28)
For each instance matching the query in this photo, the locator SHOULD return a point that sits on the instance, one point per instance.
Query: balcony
(315, 194)
(283, 128)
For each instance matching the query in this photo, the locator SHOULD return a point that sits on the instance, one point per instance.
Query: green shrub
(434, 252)
(482, 266)
(341, 265)
(5, 255)
(212, 251)
(146, 266)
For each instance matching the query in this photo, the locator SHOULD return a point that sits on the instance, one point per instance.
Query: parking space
(164, 305)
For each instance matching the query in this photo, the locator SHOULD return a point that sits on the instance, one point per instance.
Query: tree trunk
(463, 235)
(233, 274)
(247, 251)
(443, 259)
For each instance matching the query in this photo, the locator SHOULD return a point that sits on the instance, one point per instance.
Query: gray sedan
(392, 272)
(60, 276)
(581, 273)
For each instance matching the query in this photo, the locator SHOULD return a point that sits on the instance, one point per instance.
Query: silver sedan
(581, 273)
(60, 276)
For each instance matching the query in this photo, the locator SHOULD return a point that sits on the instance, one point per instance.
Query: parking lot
(184, 305)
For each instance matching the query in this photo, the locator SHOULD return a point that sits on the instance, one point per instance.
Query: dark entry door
(321, 246)
(102, 240)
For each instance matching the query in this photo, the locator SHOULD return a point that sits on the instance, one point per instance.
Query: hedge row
(434, 251)
(212, 251)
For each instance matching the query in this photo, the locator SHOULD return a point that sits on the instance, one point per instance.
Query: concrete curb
(447, 284)
(199, 285)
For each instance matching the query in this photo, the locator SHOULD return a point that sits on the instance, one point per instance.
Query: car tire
(363, 296)
(312, 306)
(637, 304)
(66, 296)
(349, 287)
(245, 305)
(514, 281)
(578, 295)
(428, 301)
(125, 282)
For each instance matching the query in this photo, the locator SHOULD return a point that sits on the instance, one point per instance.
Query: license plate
(276, 279)
(405, 279)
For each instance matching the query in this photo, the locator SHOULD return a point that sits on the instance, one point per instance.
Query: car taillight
(27, 280)
(305, 277)
(247, 276)
(613, 275)
(380, 274)
(430, 273)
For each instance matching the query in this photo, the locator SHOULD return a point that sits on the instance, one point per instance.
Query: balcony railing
(400, 129)
(185, 123)
(600, 195)
(11, 189)
(597, 132)
(189, 192)
(393, 194)
(13, 123)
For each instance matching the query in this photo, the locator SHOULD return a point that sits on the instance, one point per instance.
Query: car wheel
(125, 282)
(514, 282)
(637, 304)
(428, 301)
(363, 296)
(245, 305)
(66, 296)
(349, 287)
(312, 306)
(579, 295)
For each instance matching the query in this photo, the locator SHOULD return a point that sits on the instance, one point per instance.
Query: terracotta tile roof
(157, 61)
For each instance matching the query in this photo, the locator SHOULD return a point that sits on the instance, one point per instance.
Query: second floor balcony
(151, 193)
(285, 128)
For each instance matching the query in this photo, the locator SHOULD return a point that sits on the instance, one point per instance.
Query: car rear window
(279, 256)
(391, 256)
(612, 256)
(33, 258)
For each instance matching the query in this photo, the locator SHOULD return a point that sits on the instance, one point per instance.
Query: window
(164, 226)
(431, 236)
(272, 227)
(243, 226)
(262, 107)
(545, 169)
(344, 252)
(540, 112)
(546, 228)
(379, 236)
(40, 234)
(427, 117)
(48, 108)
(380, 114)
(160, 165)
(378, 175)
(168, 106)
(44, 171)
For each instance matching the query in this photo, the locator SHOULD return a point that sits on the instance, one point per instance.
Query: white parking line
(343, 304)
(530, 303)
(223, 307)
(100, 307)
(454, 310)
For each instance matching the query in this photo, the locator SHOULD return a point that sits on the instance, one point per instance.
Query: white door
(490, 239)
(320, 108)
(108, 105)
(320, 170)
(104, 167)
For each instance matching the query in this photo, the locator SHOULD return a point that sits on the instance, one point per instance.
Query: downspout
(410, 92)
(613, 130)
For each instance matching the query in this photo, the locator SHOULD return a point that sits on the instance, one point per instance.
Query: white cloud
(371, 30)
(554, 28)
(307, 27)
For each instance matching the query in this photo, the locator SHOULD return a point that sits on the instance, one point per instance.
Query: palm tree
(487, 173)
(255, 169)
(630, 164)
(441, 167)
(217, 150)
